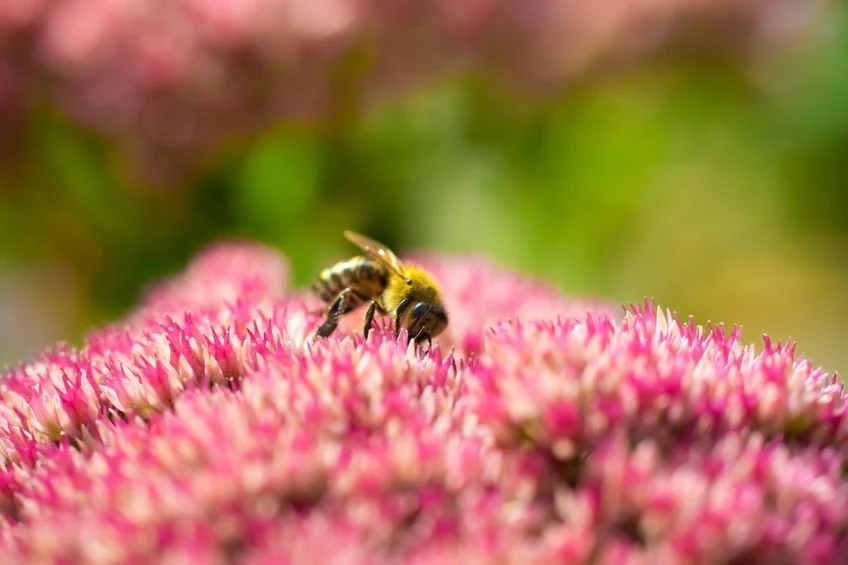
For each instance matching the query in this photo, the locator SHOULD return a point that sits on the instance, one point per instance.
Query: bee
(387, 285)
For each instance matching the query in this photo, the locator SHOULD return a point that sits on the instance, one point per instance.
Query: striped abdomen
(365, 277)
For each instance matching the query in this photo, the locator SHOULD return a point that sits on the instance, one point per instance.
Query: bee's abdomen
(365, 277)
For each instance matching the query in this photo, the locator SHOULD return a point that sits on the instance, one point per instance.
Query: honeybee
(388, 285)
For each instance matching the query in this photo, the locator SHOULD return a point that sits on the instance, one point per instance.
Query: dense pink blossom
(212, 426)
(174, 78)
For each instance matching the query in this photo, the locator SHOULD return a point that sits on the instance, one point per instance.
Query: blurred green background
(717, 189)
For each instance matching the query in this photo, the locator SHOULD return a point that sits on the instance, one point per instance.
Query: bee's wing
(376, 250)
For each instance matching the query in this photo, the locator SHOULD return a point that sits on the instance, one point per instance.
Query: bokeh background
(690, 151)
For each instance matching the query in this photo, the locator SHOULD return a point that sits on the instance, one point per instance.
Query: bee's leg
(400, 310)
(369, 317)
(373, 308)
(344, 303)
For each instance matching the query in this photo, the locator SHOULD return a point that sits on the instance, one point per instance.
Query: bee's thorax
(422, 289)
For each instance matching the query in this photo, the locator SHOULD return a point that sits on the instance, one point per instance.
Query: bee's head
(425, 321)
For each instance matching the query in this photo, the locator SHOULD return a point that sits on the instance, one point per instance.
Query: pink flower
(211, 425)
(173, 79)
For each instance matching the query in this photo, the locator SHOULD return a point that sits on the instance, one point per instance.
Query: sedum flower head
(210, 426)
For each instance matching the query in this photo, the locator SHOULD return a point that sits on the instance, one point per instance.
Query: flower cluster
(212, 426)
(174, 77)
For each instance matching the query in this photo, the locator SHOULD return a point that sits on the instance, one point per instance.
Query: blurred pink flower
(212, 426)
(173, 79)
